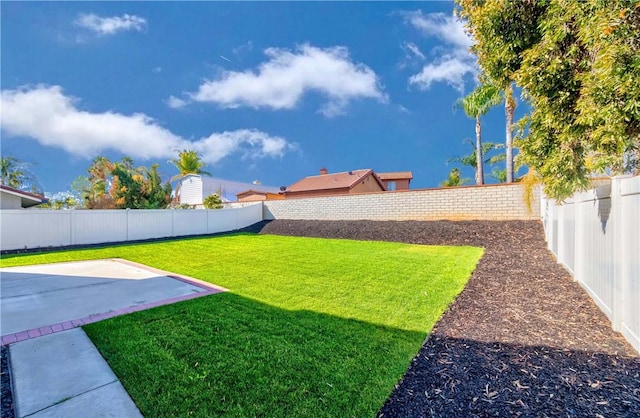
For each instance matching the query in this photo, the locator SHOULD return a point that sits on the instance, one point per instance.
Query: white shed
(193, 188)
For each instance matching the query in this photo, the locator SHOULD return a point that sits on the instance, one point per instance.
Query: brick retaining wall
(487, 202)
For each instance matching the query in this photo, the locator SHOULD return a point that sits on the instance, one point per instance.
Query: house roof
(27, 199)
(332, 181)
(397, 175)
(254, 192)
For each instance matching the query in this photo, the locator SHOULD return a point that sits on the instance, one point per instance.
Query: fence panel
(104, 225)
(552, 227)
(147, 224)
(248, 214)
(594, 266)
(596, 235)
(566, 233)
(42, 229)
(629, 253)
(189, 222)
(219, 219)
(21, 229)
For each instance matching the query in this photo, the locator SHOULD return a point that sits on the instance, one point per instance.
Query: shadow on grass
(453, 377)
(233, 356)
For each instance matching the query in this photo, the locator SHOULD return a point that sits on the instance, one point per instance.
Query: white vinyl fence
(596, 236)
(54, 228)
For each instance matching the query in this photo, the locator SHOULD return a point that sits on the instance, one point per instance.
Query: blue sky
(263, 91)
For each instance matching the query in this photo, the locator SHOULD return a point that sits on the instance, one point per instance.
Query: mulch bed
(523, 339)
(5, 385)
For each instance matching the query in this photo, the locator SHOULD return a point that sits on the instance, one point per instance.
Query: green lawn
(310, 327)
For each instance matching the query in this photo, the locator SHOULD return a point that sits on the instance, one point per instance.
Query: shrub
(212, 202)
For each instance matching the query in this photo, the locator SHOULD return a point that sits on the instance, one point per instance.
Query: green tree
(17, 174)
(578, 64)
(454, 179)
(212, 201)
(509, 110)
(127, 185)
(122, 185)
(502, 31)
(582, 81)
(158, 196)
(138, 188)
(61, 200)
(79, 189)
(475, 105)
(188, 162)
(500, 174)
(471, 159)
(13, 171)
(97, 195)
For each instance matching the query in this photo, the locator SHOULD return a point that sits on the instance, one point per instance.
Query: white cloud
(250, 142)
(243, 49)
(451, 71)
(111, 25)
(175, 103)
(281, 82)
(47, 115)
(456, 63)
(442, 26)
(411, 48)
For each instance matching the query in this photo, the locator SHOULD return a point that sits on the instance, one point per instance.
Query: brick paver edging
(208, 289)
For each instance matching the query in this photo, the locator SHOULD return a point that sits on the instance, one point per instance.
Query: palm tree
(99, 180)
(16, 174)
(509, 109)
(454, 179)
(13, 171)
(470, 160)
(475, 105)
(188, 162)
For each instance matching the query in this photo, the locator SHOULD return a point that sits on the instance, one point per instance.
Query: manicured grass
(310, 327)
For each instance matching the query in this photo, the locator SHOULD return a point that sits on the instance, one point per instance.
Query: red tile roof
(331, 181)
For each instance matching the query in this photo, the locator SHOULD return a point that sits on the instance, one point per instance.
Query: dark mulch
(522, 339)
(5, 385)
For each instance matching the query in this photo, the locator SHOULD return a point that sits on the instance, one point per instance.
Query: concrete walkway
(63, 375)
(56, 369)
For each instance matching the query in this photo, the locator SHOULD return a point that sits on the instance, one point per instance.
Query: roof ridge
(339, 172)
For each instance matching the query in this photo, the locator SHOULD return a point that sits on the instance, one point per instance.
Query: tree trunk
(479, 158)
(509, 108)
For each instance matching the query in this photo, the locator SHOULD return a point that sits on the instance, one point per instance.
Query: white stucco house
(11, 198)
(192, 189)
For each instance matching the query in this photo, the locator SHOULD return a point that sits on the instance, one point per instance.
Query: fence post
(579, 247)
(619, 250)
(72, 226)
(173, 222)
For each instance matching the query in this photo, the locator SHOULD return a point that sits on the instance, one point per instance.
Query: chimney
(323, 171)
